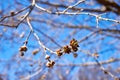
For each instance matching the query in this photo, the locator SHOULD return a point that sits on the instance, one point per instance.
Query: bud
(12, 13)
(75, 55)
(47, 57)
(23, 48)
(35, 51)
(67, 49)
(50, 64)
(59, 52)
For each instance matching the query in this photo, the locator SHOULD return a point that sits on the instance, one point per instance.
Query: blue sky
(10, 42)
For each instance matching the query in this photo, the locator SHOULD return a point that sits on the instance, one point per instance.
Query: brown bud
(50, 64)
(35, 51)
(74, 49)
(59, 52)
(96, 55)
(23, 48)
(21, 53)
(117, 79)
(75, 55)
(74, 43)
(47, 57)
(12, 13)
(67, 49)
(106, 72)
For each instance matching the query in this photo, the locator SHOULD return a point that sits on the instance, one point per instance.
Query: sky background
(56, 27)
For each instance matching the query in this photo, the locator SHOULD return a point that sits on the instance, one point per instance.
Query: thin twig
(69, 7)
(37, 37)
(111, 60)
(98, 63)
